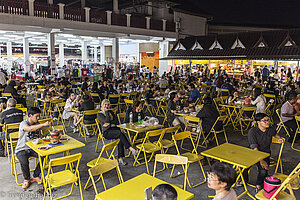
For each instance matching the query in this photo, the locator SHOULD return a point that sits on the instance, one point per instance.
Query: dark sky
(257, 12)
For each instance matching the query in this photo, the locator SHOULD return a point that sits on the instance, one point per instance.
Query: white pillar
(150, 8)
(51, 52)
(50, 1)
(164, 25)
(115, 51)
(95, 54)
(87, 14)
(102, 54)
(148, 22)
(108, 17)
(31, 7)
(163, 52)
(26, 55)
(61, 54)
(84, 52)
(61, 10)
(116, 6)
(9, 56)
(128, 19)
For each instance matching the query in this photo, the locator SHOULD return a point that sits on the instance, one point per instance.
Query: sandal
(122, 162)
(26, 184)
(239, 184)
(257, 188)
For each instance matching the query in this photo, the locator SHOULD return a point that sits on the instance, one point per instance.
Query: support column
(84, 52)
(31, 7)
(51, 52)
(102, 54)
(9, 56)
(87, 14)
(150, 8)
(163, 52)
(26, 55)
(116, 6)
(115, 52)
(148, 22)
(61, 54)
(95, 54)
(61, 10)
(128, 19)
(108, 17)
(82, 3)
(164, 28)
(50, 1)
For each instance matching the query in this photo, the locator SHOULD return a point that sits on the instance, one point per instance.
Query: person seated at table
(260, 139)
(135, 85)
(152, 93)
(71, 103)
(21, 89)
(227, 85)
(297, 105)
(10, 88)
(221, 178)
(111, 90)
(96, 90)
(259, 100)
(164, 192)
(9, 116)
(3, 104)
(108, 121)
(87, 104)
(290, 90)
(168, 90)
(85, 84)
(104, 89)
(44, 81)
(288, 116)
(232, 98)
(64, 90)
(136, 110)
(29, 130)
(173, 102)
(209, 114)
(194, 93)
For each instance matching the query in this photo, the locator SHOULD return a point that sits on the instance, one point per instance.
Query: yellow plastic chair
(53, 107)
(288, 182)
(297, 118)
(133, 95)
(149, 147)
(222, 110)
(100, 136)
(102, 168)
(122, 103)
(281, 125)
(114, 100)
(213, 130)
(244, 119)
(19, 105)
(60, 109)
(278, 162)
(7, 95)
(96, 96)
(110, 156)
(64, 177)
(7, 143)
(166, 143)
(128, 103)
(25, 110)
(172, 160)
(192, 155)
(225, 90)
(121, 117)
(84, 126)
(191, 123)
(269, 110)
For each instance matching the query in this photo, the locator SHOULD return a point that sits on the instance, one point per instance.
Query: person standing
(265, 73)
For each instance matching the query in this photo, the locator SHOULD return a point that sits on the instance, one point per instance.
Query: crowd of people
(183, 91)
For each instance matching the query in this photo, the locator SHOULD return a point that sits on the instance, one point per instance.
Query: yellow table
(134, 189)
(66, 147)
(240, 157)
(133, 127)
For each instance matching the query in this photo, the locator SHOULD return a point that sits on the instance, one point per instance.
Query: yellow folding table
(240, 157)
(134, 189)
(66, 147)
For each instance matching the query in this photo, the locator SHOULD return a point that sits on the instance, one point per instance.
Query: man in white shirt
(288, 116)
(60, 72)
(2, 78)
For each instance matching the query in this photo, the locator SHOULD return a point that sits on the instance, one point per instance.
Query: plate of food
(64, 139)
(140, 126)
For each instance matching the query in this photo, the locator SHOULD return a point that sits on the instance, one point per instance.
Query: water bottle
(198, 128)
(139, 118)
(131, 118)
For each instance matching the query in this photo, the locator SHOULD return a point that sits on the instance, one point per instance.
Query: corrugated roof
(273, 46)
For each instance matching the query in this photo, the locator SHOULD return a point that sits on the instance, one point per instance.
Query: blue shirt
(195, 94)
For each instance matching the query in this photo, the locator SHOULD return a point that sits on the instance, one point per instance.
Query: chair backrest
(158, 132)
(102, 168)
(12, 126)
(173, 160)
(275, 141)
(128, 101)
(181, 136)
(121, 117)
(270, 96)
(24, 110)
(19, 105)
(278, 114)
(90, 112)
(294, 175)
(65, 160)
(110, 146)
(173, 129)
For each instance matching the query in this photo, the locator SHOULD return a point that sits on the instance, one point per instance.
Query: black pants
(262, 173)
(291, 127)
(23, 157)
(115, 133)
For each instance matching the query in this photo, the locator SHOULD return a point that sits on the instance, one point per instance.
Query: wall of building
(149, 47)
(190, 24)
